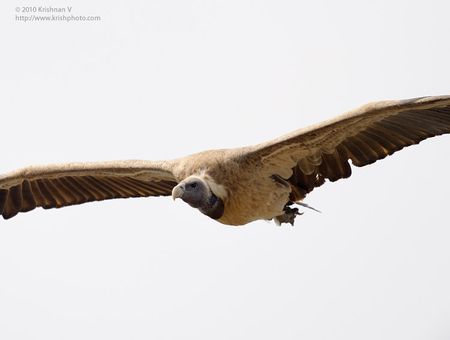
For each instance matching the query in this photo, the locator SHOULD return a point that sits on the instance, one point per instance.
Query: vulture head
(196, 192)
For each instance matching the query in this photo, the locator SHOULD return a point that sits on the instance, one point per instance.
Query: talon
(288, 216)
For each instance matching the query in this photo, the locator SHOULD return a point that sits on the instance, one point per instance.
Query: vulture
(241, 185)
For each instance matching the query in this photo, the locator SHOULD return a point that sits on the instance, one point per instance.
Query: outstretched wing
(56, 186)
(307, 157)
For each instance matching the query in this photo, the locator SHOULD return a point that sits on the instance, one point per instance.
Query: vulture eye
(193, 185)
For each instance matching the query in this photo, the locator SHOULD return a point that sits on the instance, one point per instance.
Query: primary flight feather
(238, 186)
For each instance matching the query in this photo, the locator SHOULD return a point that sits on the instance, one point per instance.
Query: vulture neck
(213, 207)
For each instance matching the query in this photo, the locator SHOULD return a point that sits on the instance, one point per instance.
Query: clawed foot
(288, 217)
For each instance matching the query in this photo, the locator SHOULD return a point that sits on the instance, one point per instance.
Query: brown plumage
(237, 186)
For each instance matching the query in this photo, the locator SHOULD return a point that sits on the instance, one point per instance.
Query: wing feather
(56, 186)
(363, 136)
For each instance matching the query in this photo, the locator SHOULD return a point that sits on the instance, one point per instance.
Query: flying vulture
(238, 186)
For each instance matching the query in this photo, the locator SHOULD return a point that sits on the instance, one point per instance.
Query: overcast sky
(162, 79)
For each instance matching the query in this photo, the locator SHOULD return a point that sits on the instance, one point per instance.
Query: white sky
(162, 79)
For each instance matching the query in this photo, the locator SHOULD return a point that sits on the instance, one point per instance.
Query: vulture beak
(178, 191)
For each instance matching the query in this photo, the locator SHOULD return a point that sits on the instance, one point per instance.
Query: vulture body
(238, 186)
